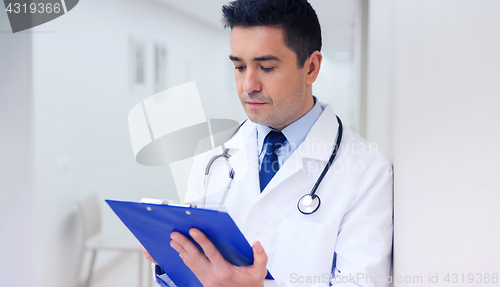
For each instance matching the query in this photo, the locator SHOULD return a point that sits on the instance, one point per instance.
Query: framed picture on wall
(160, 68)
(138, 73)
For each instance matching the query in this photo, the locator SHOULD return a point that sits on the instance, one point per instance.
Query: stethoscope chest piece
(308, 204)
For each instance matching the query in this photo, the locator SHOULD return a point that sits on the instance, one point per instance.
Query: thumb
(259, 258)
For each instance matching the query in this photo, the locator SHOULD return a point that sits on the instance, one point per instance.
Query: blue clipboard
(152, 225)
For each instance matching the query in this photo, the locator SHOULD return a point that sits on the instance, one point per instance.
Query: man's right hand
(148, 257)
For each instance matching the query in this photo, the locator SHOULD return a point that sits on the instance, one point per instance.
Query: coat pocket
(304, 252)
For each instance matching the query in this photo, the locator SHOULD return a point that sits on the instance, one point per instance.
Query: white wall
(64, 104)
(434, 97)
(17, 198)
(380, 94)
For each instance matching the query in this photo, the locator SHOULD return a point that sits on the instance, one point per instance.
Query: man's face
(271, 87)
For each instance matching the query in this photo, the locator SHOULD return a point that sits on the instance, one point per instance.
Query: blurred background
(421, 79)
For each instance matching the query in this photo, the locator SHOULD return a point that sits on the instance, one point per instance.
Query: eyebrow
(258, 59)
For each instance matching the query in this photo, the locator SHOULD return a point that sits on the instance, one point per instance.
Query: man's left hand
(212, 269)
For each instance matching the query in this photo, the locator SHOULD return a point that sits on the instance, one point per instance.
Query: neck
(306, 107)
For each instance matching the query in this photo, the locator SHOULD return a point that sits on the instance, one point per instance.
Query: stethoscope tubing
(312, 195)
(226, 155)
(330, 160)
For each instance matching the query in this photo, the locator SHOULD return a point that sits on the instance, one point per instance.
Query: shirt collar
(295, 132)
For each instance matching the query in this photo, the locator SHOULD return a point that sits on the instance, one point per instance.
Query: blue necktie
(270, 165)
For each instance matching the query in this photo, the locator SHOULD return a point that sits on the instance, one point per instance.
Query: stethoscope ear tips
(308, 204)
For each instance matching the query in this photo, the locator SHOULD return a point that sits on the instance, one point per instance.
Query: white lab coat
(354, 219)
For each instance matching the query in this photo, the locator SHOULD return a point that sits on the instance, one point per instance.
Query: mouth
(253, 104)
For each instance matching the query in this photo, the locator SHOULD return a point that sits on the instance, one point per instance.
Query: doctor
(277, 157)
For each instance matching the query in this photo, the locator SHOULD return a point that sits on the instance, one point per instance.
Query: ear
(312, 65)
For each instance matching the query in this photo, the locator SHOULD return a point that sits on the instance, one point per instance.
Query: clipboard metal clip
(166, 202)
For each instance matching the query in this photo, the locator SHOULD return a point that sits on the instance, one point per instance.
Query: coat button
(257, 228)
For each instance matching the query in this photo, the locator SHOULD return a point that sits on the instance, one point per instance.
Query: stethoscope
(307, 204)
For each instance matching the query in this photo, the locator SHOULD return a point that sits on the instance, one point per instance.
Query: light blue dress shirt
(295, 134)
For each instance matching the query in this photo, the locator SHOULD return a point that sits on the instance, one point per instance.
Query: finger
(186, 244)
(208, 247)
(147, 255)
(179, 248)
(259, 259)
(190, 254)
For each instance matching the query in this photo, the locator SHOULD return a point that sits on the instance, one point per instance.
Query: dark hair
(300, 24)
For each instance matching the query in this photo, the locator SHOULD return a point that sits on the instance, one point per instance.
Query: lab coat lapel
(318, 145)
(320, 141)
(244, 160)
(291, 166)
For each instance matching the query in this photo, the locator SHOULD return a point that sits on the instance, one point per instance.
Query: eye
(240, 68)
(267, 69)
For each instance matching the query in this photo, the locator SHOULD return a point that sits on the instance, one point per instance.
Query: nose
(251, 83)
